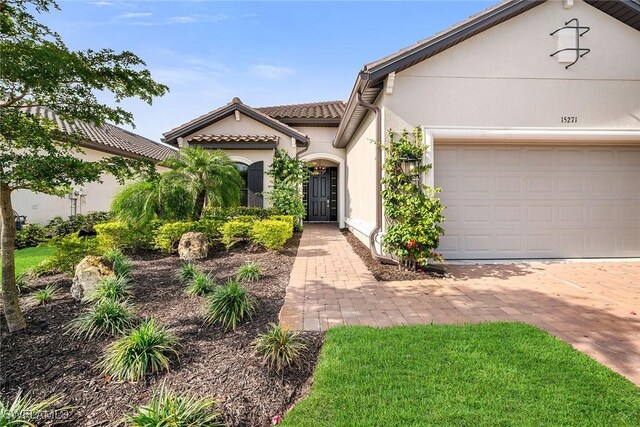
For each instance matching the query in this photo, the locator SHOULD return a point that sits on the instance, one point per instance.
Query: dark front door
(319, 196)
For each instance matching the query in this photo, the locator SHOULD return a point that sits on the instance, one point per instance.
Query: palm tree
(209, 175)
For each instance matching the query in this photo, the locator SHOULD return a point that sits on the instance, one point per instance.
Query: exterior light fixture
(318, 168)
(409, 164)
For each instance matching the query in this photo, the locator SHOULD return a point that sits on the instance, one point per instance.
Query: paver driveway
(590, 305)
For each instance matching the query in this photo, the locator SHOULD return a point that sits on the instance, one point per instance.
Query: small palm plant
(106, 317)
(248, 272)
(176, 410)
(112, 288)
(279, 347)
(45, 295)
(121, 264)
(201, 285)
(23, 410)
(187, 272)
(229, 305)
(141, 351)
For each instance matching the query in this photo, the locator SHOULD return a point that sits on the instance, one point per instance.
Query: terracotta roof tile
(234, 138)
(313, 110)
(108, 136)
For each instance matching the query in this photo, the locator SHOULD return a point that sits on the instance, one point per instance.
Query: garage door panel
(530, 202)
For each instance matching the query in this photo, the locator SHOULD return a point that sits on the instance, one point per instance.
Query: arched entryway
(324, 192)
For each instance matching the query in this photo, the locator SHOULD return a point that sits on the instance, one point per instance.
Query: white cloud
(134, 15)
(270, 72)
(102, 3)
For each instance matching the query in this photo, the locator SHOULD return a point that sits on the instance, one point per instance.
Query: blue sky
(266, 53)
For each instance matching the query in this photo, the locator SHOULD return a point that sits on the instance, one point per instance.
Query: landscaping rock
(193, 246)
(88, 274)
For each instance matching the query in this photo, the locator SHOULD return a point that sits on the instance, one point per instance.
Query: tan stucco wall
(40, 208)
(504, 77)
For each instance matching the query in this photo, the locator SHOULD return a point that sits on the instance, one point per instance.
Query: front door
(319, 196)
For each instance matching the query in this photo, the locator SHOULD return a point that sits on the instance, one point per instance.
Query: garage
(539, 201)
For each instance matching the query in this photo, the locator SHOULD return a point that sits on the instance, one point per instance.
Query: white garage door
(539, 202)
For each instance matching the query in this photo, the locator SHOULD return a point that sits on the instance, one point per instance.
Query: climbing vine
(412, 209)
(288, 176)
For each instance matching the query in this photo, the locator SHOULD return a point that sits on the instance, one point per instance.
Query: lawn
(30, 257)
(493, 374)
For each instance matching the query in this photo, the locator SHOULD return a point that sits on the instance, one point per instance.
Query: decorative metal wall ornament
(580, 31)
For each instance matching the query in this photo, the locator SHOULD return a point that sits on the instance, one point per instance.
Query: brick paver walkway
(590, 305)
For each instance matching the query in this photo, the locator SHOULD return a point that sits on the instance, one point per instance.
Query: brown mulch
(45, 361)
(383, 272)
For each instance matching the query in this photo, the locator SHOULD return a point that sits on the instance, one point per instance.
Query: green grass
(30, 257)
(492, 374)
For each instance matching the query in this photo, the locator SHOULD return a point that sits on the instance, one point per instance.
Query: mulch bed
(383, 272)
(45, 361)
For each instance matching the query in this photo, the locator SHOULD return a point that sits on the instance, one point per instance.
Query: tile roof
(235, 138)
(313, 110)
(108, 137)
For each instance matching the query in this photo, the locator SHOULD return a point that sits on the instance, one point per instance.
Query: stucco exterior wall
(505, 78)
(360, 180)
(40, 208)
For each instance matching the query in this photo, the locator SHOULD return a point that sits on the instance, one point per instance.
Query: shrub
(121, 264)
(69, 252)
(168, 236)
(235, 231)
(285, 218)
(21, 283)
(187, 272)
(24, 411)
(123, 236)
(176, 410)
(82, 224)
(111, 288)
(229, 305)
(248, 272)
(201, 285)
(227, 214)
(272, 234)
(106, 316)
(45, 295)
(30, 236)
(143, 350)
(279, 347)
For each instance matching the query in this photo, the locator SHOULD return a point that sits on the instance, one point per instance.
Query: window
(244, 173)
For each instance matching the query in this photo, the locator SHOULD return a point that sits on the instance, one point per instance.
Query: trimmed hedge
(235, 231)
(167, 236)
(271, 233)
(228, 214)
(120, 235)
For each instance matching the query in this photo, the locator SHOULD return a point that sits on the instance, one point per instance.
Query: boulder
(193, 246)
(88, 275)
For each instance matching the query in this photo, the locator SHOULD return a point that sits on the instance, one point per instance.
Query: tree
(38, 70)
(209, 175)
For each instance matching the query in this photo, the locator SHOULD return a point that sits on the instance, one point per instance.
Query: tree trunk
(199, 205)
(10, 301)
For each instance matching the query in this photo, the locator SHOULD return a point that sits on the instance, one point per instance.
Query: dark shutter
(255, 182)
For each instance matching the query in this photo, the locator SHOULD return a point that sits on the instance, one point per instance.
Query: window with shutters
(244, 173)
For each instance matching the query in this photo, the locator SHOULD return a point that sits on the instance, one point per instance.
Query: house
(101, 142)
(531, 110)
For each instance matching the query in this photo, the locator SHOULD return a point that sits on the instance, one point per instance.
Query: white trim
(388, 83)
(240, 159)
(359, 226)
(341, 179)
(606, 136)
(429, 157)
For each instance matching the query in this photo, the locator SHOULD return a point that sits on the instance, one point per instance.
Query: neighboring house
(101, 142)
(535, 144)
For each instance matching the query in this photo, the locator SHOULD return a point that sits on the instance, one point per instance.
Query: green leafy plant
(30, 236)
(69, 252)
(24, 411)
(45, 295)
(167, 236)
(272, 234)
(413, 211)
(248, 272)
(175, 410)
(78, 223)
(289, 174)
(141, 351)
(121, 263)
(105, 317)
(285, 167)
(201, 285)
(124, 236)
(111, 288)
(21, 283)
(187, 272)
(229, 305)
(229, 213)
(279, 347)
(236, 231)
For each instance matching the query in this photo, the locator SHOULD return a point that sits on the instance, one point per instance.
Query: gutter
(372, 237)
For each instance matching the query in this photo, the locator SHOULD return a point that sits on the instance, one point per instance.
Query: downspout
(372, 237)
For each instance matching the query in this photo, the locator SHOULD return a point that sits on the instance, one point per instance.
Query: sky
(265, 53)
